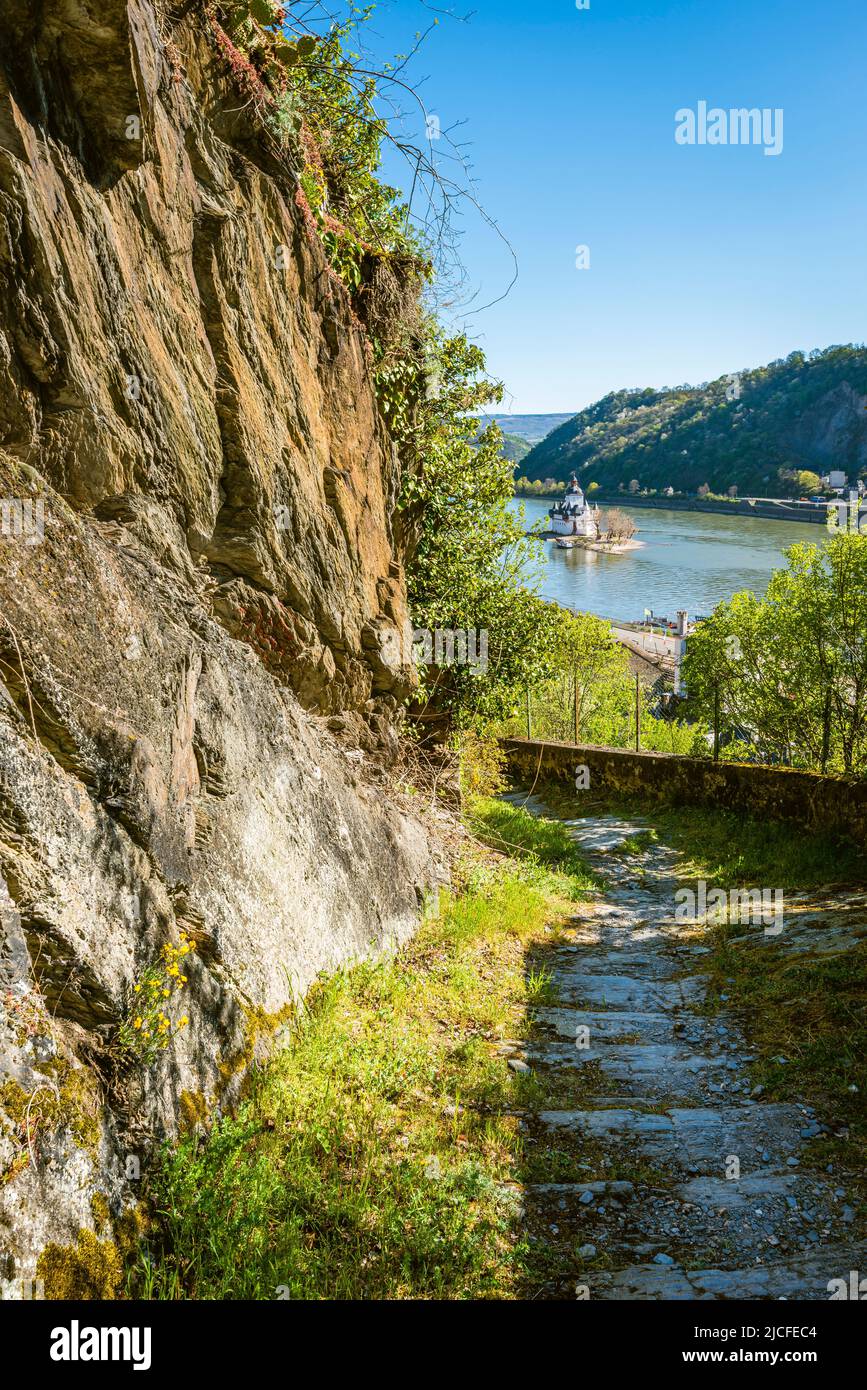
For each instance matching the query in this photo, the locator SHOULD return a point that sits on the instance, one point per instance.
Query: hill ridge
(749, 429)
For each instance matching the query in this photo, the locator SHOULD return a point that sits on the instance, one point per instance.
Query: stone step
(784, 1189)
(687, 1223)
(617, 961)
(691, 1140)
(804, 1277)
(632, 992)
(660, 1070)
(612, 1027)
(608, 1026)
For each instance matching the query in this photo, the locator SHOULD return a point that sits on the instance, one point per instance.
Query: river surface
(688, 560)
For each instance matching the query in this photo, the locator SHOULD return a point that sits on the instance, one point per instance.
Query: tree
(590, 667)
(791, 668)
(808, 481)
(472, 566)
(618, 526)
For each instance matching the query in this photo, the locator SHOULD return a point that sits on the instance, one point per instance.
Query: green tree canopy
(472, 566)
(791, 668)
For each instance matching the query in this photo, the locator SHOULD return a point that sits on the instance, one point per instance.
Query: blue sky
(703, 259)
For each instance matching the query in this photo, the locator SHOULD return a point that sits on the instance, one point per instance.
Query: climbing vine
(315, 101)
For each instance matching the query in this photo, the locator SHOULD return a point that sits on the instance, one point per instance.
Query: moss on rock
(69, 1100)
(89, 1269)
(193, 1106)
(100, 1212)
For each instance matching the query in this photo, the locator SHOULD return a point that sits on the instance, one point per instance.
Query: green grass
(725, 848)
(543, 844)
(378, 1156)
(810, 1011)
(635, 844)
(539, 984)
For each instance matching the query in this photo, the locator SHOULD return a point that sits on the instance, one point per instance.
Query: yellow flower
(137, 1023)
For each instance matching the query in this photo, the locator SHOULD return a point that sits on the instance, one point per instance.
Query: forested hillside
(514, 448)
(521, 432)
(753, 430)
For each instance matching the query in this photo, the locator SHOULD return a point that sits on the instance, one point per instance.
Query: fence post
(716, 721)
(637, 713)
(576, 704)
(529, 724)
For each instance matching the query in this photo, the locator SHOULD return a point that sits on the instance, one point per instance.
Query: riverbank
(769, 508)
(602, 547)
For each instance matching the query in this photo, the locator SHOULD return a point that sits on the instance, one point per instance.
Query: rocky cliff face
(198, 567)
(833, 433)
(177, 354)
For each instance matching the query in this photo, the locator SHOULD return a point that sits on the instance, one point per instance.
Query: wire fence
(636, 716)
(655, 719)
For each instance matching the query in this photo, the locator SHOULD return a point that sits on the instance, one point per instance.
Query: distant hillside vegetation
(515, 448)
(530, 428)
(752, 431)
(521, 432)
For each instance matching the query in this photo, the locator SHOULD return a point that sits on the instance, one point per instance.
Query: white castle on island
(572, 516)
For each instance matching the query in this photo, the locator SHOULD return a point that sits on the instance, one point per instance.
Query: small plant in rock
(540, 985)
(148, 1027)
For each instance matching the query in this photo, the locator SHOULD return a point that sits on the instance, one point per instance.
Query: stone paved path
(665, 1107)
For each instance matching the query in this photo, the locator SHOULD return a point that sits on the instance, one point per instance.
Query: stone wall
(828, 804)
(769, 510)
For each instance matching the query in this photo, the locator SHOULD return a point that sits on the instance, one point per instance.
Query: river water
(688, 560)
